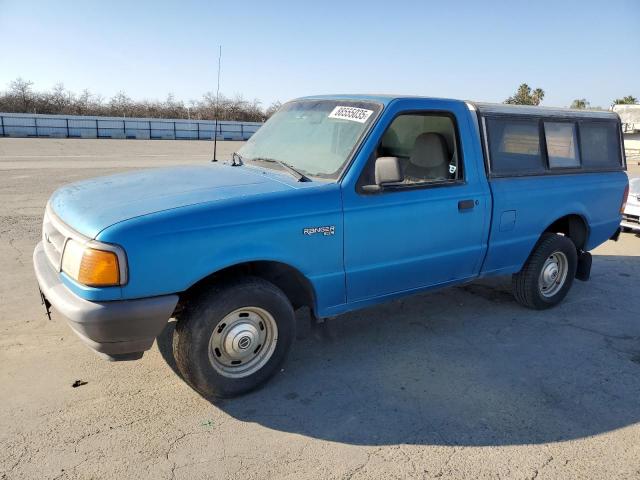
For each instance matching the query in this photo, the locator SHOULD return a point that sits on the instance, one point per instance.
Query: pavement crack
(170, 448)
(19, 253)
(99, 431)
(541, 467)
(359, 468)
(446, 462)
(18, 460)
(596, 332)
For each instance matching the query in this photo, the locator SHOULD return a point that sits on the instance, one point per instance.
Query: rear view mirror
(387, 171)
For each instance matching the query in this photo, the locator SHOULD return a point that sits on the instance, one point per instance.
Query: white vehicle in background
(631, 214)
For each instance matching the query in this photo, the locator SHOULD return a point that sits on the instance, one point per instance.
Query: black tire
(526, 289)
(194, 330)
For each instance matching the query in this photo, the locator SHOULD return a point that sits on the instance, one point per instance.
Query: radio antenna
(215, 131)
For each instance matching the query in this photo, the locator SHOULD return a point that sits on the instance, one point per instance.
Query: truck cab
(336, 203)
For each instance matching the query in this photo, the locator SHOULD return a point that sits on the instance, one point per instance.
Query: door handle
(466, 204)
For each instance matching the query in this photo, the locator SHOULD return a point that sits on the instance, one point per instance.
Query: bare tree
(273, 108)
(20, 98)
(21, 90)
(121, 105)
(85, 103)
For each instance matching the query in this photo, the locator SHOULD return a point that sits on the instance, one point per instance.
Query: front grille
(53, 240)
(630, 218)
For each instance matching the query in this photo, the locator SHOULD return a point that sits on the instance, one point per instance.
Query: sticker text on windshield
(359, 115)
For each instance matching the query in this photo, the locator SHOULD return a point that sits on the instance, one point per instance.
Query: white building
(630, 116)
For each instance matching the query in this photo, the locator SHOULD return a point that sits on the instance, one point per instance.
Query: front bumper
(119, 330)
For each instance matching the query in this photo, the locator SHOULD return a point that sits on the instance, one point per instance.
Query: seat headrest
(429, 150)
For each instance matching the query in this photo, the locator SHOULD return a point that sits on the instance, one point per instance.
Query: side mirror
(387, 171)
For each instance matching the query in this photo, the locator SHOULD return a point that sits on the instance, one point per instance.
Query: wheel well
(291, 281)
(572, 226)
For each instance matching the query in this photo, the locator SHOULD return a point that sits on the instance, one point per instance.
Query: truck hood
(90, 206)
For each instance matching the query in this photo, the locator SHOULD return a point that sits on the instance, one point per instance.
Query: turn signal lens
(89, 266)
(99, 268)
(624, 199)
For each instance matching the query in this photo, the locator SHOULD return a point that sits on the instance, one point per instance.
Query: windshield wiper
(236, 159)
(301, 177)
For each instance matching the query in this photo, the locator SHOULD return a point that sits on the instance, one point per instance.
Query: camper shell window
(561, 140)
(519, 145)
(600, 145)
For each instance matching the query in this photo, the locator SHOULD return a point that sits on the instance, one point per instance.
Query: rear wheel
(233, 337)
(547, 276)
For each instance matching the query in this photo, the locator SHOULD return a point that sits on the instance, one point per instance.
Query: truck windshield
(315, 137)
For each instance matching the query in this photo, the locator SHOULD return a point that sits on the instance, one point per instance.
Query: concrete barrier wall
(73, 126)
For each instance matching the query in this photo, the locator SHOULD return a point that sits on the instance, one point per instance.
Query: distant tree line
(526, 96)
(22, 98)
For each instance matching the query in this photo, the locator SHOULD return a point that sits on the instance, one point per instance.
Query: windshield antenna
(215, 130)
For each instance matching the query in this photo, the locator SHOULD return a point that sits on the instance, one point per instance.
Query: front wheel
(547, 276)
(233, 337)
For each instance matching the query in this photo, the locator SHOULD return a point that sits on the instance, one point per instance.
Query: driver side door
(429, 229)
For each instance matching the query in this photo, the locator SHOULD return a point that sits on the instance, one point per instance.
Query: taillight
(624, 198)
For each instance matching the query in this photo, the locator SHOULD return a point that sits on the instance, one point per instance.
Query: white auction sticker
(359, 115)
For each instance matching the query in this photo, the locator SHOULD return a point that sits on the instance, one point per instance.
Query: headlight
(90, 265)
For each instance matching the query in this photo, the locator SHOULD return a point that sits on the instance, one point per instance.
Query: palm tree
(580, 103)
(537, 96)
(628, 100)
(524, 96)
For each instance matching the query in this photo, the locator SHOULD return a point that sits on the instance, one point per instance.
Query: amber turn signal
(99, 268)
(625, 196)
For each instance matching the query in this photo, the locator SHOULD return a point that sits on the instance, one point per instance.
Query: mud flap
(46, 303)
(583, 272)
(616, 235)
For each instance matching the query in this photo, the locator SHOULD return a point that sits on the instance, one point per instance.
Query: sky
(279, 50)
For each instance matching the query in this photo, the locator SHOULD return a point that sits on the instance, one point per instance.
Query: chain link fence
(72, 126)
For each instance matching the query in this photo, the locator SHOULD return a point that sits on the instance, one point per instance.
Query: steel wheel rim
(553, 274)
(243, 342)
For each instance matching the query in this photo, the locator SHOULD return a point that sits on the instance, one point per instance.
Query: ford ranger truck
(336, 203)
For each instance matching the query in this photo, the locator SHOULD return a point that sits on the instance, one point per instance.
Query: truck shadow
(463, 366)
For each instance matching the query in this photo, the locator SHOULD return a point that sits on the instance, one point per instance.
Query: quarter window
(562, 144)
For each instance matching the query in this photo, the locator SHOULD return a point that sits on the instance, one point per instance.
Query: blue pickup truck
(336, 203)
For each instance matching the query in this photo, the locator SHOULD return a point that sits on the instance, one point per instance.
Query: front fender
(170, 251)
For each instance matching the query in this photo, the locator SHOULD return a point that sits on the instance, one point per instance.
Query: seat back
(429, 159)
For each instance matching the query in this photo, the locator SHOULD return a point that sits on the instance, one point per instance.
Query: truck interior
(425, 145)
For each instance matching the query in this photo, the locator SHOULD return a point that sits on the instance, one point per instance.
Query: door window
(426, 147)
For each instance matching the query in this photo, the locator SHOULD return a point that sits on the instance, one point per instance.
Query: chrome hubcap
(553, 274)
(242, 342)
